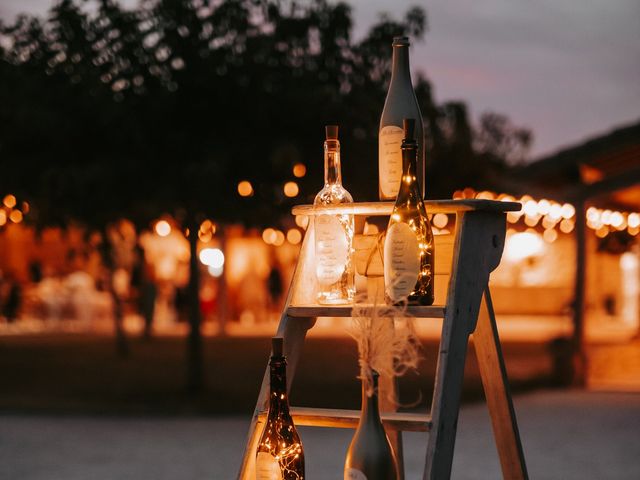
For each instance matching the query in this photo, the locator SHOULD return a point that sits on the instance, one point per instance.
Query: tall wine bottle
(400, 103)
(279, 455)
(370, 455)
(408, 247)
(333, 232)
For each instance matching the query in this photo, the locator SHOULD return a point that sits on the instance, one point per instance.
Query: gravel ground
(566, 435)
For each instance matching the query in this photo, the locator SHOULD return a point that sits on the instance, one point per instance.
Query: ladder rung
(336, 418)
(419, 311)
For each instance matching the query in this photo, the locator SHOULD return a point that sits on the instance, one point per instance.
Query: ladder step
(336, 418)
(418, 311)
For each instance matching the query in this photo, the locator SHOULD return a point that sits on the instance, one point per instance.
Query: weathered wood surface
(388, 400)
(466, 264)
(479, 244)
(497, 394)
(341, 418)
(432, 206)
(418, 311)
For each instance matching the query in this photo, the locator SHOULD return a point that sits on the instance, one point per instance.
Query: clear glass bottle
(400, 103)
(333, 232)
(370, 455)
(408, 247)
(280, 455)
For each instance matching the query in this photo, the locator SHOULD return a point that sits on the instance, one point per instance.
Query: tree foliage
(111, 112)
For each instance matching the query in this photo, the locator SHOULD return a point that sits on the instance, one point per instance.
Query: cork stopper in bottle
(331, 132)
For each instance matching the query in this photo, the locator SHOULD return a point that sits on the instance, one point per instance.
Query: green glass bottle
(280, 455)
(370, 455)
(408, 248)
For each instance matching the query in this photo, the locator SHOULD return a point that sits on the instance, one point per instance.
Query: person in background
(274, 287)
(208, 297)
(35, 271)
(143, 280)
(13, 299)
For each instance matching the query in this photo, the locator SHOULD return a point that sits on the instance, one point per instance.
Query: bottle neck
(400, 71)
(332, 174)
(278, 402)
(409, 161)
(370, 409)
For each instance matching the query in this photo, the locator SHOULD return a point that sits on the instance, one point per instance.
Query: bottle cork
(331, 132)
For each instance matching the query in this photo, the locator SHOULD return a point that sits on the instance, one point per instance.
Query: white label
(332, 249)
(401, 261)
(267, 467)
(390, 160)
(353, 474)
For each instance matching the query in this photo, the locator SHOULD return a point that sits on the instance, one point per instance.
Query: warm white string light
(551, 214)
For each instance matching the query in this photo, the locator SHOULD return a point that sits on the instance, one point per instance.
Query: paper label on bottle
(353, 474)
(332, 249)
(401, 261)
(267, 467)
(390, 160)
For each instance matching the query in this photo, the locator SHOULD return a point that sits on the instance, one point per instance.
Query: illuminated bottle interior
(333, 232)
(280, 455)
(408, 250)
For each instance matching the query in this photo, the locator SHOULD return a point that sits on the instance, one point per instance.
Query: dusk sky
(567, 69)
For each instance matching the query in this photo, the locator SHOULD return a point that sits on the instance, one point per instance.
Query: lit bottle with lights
(370, 455)
(400, 103)
(408, 248)
(333, 232)
(280, 455)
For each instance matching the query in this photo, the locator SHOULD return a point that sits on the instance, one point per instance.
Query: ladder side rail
(294, 331)
(388, 399)
(432, 206)
(479, 243)
(497, 392)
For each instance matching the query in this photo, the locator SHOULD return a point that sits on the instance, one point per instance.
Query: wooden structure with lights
(463, 302)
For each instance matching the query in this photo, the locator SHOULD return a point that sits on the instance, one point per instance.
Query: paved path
(566, 435)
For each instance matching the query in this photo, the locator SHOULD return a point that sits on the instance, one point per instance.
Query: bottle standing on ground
(408, 248)
(280, 455)
(400, 103)
(333, 232)
(370, 455)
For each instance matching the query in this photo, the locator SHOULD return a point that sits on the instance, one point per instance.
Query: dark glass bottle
(280, 455)
(370, 456)
(409, 254)
(400, 103)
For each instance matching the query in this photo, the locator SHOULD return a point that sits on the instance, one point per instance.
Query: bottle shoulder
(400, 102)
(333, 195)
(280, 425)
(393, 116)
(411, 208)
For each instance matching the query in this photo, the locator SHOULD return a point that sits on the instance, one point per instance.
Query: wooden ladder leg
(497, 393)
(389, 403)
(294, 331)
(478, 247)
(446, 400)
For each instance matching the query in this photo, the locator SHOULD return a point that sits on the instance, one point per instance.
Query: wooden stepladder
(464, 261)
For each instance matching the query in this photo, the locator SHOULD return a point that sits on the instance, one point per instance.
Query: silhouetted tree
(111, 112)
